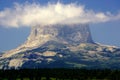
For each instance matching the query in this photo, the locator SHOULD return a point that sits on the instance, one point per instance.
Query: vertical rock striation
(69, 34)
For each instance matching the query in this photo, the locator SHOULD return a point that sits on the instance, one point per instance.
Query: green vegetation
(60, 74)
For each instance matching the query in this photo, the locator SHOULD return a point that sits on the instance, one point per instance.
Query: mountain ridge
(61, 46)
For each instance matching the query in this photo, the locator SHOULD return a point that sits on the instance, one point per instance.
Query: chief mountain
(61, 46)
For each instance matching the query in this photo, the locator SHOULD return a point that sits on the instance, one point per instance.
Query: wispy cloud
(35, 14)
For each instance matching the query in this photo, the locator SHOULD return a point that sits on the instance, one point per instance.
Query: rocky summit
(61, 46)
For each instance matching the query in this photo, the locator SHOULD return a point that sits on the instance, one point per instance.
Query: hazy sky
(106, 32)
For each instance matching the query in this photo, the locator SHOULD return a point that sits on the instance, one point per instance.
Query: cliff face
(66, 34)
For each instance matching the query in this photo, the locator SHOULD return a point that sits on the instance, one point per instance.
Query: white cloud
(35, 14)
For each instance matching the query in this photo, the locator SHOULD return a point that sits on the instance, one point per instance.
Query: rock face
(61, 46)
(67, 34)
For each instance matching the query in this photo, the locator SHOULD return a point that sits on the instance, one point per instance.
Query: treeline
(60, 74)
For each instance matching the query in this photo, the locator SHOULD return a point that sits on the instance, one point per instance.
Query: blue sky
(105, 33)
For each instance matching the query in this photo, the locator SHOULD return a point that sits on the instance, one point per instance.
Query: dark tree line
(71, 74)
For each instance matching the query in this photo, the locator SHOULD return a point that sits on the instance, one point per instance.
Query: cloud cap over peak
(35, 14)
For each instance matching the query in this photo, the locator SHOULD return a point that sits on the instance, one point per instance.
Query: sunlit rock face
(61, 46)
(69, 34)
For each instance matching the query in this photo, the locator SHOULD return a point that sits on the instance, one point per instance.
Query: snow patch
(106, 45)
(49, 53)
(60, 55)
(16, 63)
(49, 59)
(99, 49)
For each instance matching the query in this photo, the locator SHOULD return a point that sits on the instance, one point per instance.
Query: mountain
(61, 46)
(63, 34)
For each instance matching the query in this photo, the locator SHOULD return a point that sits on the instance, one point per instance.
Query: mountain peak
(70, 34)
